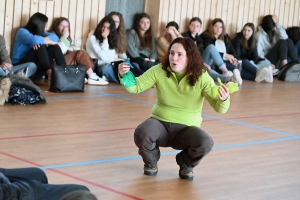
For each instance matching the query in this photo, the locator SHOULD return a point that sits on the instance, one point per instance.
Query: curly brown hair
(195, 66)
(121, 43)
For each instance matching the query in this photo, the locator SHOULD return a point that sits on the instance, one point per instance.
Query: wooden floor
(87, 138)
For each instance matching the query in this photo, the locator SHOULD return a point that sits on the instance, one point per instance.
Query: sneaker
(275, 72)
(150, 169)
(236, 77)
(228, 74)
(261, 74)
(96, 80)
(186, 173)
(85, 80)
(269, 78)
(104, 78)
(21, 73)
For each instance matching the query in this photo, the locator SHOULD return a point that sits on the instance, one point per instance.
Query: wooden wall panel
(2, 16)
(235, 13)
(33, 6)
(85, 15)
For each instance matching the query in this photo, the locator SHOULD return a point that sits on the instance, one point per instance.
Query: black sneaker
(186, 173)
(150, 170)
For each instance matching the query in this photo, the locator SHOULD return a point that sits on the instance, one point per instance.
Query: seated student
(210, 55)
(216, 35)
(79, 195)
(31, 184)
(164, 41)
(34, 44)
(253, 67)
(73, 54)
(102, 45)
(294, 35)
(141, 44)
(273, 43)
(26, 69)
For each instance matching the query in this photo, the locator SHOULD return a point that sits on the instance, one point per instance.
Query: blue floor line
(250, 125)
(167, 153)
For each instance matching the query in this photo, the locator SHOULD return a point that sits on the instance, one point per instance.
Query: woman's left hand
(223, 92)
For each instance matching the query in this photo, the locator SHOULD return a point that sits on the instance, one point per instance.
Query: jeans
(211, 56)
(37, 180)
(28, 68)
(108, 72)
(297, 47)
(111, 74)
(249, 68)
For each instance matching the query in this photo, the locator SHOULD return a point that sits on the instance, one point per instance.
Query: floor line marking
(71, 176)
(167, 153)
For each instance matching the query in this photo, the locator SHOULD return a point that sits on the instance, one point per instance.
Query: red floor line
(123, 129)
(71, 176)
(60, 134)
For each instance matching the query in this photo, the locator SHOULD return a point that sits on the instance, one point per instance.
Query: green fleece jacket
(178, 101)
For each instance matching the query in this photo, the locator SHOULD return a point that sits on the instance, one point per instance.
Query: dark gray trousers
(192, 140)
(282, 50)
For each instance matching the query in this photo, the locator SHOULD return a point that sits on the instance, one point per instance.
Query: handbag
(67, 78)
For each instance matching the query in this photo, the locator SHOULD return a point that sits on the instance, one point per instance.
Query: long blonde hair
(121, 43)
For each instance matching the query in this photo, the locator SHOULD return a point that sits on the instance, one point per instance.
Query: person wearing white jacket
(101, 45)
(273, 43)
(73, 55)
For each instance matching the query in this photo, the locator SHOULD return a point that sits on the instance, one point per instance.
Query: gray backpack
(290, 72)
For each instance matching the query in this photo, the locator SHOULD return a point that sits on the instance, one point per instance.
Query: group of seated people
(36, 48)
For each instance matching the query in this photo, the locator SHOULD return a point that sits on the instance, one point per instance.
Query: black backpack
(290, 72)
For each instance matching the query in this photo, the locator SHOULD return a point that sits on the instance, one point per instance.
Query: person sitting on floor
(31, 184)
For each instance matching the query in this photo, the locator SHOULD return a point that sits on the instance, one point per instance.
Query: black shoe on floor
(150, 169)
(186, 173)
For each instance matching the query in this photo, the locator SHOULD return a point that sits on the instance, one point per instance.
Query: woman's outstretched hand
(223, 92)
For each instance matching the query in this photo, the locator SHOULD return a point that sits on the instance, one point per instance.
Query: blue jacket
(24, 41)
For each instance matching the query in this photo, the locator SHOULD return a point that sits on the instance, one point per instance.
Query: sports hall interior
(87, 138)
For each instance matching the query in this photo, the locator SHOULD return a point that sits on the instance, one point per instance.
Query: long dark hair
(268, 26)
(121, 46)
(250, 43)
(36, 24)
(174, 24)
(113, 35)
(211, 30)
(55, 25)
(146, 40)
(195, 66)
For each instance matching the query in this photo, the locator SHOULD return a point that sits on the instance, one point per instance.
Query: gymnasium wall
(85, 14)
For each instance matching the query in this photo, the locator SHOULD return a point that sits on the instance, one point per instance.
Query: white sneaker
(236, 77)
(228, 74)
(96, 80)
(275, 72)
(104, 78)
(261, 74)
(269, 77)
(85, 80)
